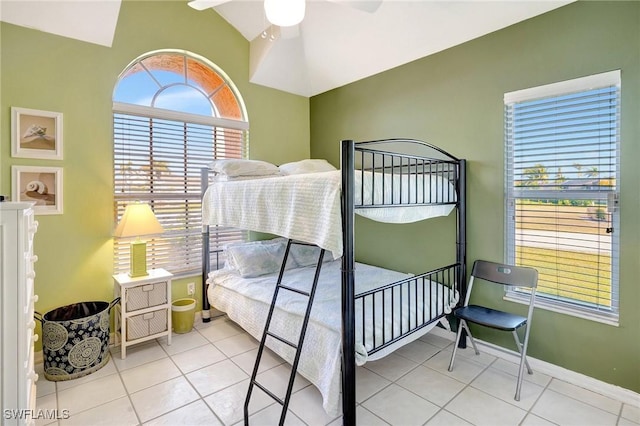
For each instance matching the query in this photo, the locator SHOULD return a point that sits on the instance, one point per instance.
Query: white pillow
(257, 258)
(306, 166)
(305, 255)
(238, 167)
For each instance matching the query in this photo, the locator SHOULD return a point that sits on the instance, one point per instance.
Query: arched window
(173, 113)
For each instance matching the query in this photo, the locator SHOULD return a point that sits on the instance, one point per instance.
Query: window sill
(559, 307)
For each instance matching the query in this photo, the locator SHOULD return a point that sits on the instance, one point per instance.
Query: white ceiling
(93, 21)
(334, 45)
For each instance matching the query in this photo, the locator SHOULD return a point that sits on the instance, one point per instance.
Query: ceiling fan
(286, 13)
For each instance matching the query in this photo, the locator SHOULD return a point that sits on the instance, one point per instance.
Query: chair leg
(523, 361)
(462, 325)
(473, 342)
(455, 345)
(519, 346)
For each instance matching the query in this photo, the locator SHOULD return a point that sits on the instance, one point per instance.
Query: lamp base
(138, 259)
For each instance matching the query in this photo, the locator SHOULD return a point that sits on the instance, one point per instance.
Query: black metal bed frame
(374, 157)
(382, 157)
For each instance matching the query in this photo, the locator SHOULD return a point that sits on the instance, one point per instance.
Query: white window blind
(158, 161)
(562, 172)
(173, 113)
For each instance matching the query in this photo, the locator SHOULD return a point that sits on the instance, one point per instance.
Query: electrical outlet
(191, 289)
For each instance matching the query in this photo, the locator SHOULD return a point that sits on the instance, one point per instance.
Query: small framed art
(36, 134)
(40, 185)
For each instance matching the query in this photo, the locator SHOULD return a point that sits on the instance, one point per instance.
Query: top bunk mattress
(306, 207)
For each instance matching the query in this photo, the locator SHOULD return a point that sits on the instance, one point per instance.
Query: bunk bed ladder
(298, 347)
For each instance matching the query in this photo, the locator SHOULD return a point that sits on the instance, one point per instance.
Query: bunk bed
(375, 311)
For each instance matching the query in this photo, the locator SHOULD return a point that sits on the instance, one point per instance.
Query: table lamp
(138, 220)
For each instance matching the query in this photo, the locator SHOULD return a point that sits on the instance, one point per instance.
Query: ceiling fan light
(284, 13)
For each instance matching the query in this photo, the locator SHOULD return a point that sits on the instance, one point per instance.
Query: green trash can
(182, 314)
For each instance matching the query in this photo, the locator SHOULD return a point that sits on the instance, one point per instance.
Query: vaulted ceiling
(335, 44)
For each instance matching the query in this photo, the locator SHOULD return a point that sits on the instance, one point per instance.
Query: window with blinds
(562, 171)
(169, 122)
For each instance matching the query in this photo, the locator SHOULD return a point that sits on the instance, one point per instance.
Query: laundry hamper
(75, 339)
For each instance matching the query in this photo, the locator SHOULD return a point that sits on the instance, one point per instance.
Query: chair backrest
(520, 276)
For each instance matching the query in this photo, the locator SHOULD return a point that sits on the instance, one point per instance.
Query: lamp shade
(284, 13)
(138, 220)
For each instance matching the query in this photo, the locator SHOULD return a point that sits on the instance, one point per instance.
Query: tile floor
(201, 379)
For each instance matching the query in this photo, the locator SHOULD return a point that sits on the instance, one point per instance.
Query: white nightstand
(144, 312)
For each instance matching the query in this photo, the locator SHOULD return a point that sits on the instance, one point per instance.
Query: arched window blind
(173, 114)
(562, 171)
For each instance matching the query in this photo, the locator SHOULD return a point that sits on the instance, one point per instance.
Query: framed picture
(36, 134)
(40, 185)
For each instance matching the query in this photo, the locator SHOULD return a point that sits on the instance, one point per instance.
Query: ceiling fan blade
(206, 4)
(364, 5)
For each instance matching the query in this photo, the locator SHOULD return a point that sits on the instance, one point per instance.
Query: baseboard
(612, 391)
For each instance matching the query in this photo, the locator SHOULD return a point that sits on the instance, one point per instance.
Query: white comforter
(247, 301)
(306, 207)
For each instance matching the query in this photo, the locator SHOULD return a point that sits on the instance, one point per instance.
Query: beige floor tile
(479, 408)
(631, 412)
(445, 418)
(365, 417)
(564, 410)
(397, 406)
(182, 342)
(277, 380)
(431, 385)
(138, 354)
(91, 394)
(463, 369)
(586, 396)
(368, 383)
(106, 370)
(627, 422)
(482, 358)
(533, 420)
(215, 377)
(163, 398)
(418, 351)
(307, 405)
(219, 330)
(235, 345)
(247, 360)
(537, 377)
(438, 341)
(196, 358)
(271, 416)
(503, 385)
(48, 405)
(195, 414)
(228, 404)
(119, 412)
(391, 367)
(149, 374)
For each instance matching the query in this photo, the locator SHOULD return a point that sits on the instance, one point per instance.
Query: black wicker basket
(75, 339)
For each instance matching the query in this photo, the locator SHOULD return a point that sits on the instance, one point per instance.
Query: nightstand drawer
(146, 296)
(144, 325)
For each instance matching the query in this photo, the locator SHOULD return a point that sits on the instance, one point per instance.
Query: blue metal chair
(502, 274)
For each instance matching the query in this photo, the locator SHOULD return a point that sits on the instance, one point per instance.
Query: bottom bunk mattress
(380, 319)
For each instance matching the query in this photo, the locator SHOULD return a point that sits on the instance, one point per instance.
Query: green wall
(454, 99)
(48, 72)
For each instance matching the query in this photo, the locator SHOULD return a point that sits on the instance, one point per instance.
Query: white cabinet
(17, 299)
(144, 312)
